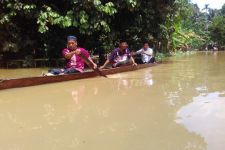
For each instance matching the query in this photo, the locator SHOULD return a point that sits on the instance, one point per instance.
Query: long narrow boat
(31, 81)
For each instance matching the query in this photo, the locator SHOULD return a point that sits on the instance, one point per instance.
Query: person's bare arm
(105, 64)
(70, 54)
(136, 53)
(94, 64)
(133, 62)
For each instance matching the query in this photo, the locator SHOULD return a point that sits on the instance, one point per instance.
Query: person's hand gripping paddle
(91, 65)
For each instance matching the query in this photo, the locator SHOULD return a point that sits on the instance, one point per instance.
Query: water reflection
(206, 117)
(129, 81)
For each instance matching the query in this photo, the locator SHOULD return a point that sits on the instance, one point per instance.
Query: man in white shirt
(146, 54)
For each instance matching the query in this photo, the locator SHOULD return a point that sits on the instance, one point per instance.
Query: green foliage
(99, 24)
(160, 56)
(186, 27)
(217, 30)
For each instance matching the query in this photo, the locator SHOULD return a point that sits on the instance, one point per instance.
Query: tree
(98, 23)
(217, 28)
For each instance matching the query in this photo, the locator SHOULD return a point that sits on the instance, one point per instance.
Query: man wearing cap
(74, 63)
(120, 56)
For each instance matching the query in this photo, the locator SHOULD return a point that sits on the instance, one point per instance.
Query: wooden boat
(31, 81)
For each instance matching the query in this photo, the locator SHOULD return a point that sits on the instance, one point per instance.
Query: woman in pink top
(74, 63)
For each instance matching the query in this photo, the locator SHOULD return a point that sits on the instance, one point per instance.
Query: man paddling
(75, 58)
(120, 56)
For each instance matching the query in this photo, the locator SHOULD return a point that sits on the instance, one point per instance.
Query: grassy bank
(162, 56)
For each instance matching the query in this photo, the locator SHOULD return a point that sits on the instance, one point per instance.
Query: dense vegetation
(42, 26)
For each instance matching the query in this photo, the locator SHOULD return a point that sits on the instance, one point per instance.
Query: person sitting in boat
(74, 62)
(120, 56)
(146, 54)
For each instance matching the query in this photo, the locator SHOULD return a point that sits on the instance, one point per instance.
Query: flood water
(21, 73)
(179, 105)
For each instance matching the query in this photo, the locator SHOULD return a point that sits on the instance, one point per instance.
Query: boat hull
(31, 81)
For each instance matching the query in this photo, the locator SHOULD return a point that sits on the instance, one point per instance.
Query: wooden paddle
(91, 65)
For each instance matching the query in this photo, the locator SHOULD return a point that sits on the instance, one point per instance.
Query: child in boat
(74, 63)
(120, 56)
(146, 54)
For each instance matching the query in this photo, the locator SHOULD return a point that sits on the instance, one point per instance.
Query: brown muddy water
(179, 105)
